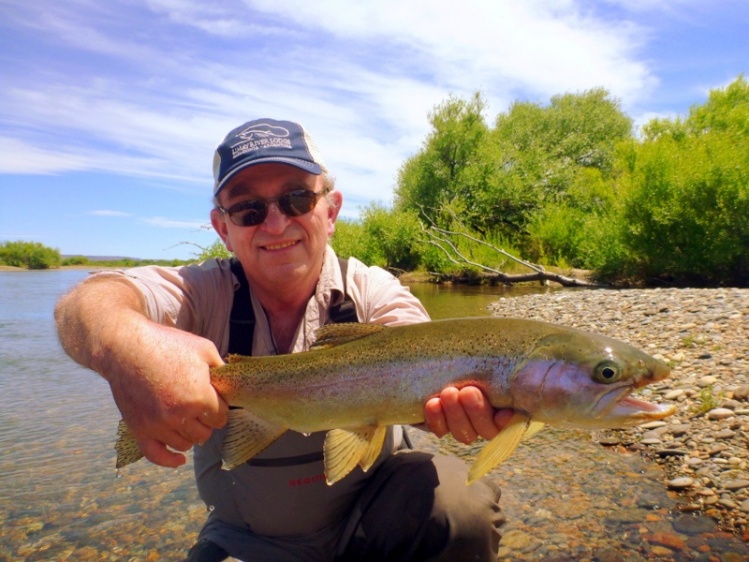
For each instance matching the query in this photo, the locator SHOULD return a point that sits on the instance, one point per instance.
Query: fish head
(586, 380)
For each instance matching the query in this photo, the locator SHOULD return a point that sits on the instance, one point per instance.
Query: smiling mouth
(280, 246)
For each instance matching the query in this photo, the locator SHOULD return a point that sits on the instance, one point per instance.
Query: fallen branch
(439, 236)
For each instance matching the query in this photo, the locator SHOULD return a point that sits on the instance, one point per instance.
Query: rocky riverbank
(703, 334)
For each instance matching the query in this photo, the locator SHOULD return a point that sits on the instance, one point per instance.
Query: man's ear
(218, 221)
(335, 201)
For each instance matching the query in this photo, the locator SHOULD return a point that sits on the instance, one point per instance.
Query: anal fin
(374, 448)
(246, 435)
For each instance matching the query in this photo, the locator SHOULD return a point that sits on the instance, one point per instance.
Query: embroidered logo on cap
(260, 136)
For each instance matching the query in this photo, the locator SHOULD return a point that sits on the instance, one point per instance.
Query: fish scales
(360, 378)
(388, 374)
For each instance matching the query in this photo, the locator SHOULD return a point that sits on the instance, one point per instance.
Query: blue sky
(110, 111)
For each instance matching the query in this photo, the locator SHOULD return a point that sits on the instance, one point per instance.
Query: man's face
(282, 250)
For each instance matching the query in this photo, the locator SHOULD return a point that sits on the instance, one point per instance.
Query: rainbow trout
(360, 378)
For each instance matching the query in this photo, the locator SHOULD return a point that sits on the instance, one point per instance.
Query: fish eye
(607, 372)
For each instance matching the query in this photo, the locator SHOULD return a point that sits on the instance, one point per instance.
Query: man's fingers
(216, 416)
(502, 417)
(465, 413)
(196, 432)
(434, 417)
(480, 413)
(160, 454)
(457, 420)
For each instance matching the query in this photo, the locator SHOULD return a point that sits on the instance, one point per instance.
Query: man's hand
(159, 376)
(165, 395)
(465, 413)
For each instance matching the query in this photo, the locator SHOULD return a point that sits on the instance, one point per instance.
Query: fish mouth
(619, 408)
(638, 411)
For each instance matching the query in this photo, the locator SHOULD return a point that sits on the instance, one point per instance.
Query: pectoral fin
(346, 448)
(126, 446)
(533, 428)
(501, 447)
(246, 435)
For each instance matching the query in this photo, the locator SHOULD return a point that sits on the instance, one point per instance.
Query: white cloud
(107, 213)
(547, 48)
(19, 157)
(361, 76)
(163, 222)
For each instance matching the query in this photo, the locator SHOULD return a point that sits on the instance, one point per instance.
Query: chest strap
(242, 330)
(242, 319)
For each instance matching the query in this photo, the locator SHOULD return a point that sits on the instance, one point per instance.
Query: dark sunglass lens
(298, 202)
(250, 213)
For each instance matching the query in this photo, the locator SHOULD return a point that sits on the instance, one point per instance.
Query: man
(153, 333)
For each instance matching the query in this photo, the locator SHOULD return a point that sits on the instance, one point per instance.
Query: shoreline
(91, 267)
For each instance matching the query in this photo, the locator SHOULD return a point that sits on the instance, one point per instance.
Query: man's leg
(418, 507)
(207, 551)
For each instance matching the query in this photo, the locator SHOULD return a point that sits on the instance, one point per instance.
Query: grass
(706, 400)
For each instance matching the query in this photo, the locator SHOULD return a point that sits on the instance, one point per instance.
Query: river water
(566, 497)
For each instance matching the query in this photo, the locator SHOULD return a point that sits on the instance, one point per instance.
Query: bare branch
(441, 238)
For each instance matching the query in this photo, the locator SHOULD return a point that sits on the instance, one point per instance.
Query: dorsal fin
(332, 335)
(236, 358)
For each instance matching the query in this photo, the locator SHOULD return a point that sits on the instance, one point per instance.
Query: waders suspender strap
(242, 320)
(242, 329)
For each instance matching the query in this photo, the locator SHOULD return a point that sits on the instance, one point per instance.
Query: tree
(442, 170)
(684, 216)
(542, 153)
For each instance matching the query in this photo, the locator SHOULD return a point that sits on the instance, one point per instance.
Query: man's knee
(207, 551)
(471, 514)
(418, 507)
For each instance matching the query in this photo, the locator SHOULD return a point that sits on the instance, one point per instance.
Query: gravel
(703, 335)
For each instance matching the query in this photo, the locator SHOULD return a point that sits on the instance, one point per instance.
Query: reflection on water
(566, 497)
(454, 301)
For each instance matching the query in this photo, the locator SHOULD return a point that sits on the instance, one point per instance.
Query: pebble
(720, 414)
(736, 484)
(680, 483)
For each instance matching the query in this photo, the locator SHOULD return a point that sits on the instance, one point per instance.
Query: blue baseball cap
(262, 141)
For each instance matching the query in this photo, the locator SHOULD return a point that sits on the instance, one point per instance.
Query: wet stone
(725, 434)
(680, 483)
(671, 452)
(694, 525)
(624, 516)
(668, 540)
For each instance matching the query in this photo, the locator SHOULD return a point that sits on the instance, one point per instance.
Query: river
(566, 497)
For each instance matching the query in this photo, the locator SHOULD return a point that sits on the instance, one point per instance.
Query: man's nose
(275, 221)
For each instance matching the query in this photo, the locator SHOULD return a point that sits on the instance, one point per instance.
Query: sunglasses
(292, 204)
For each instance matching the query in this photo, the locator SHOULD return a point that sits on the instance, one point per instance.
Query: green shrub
(348, 240)
(76, 260)
(31, 255)
(685, 220)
